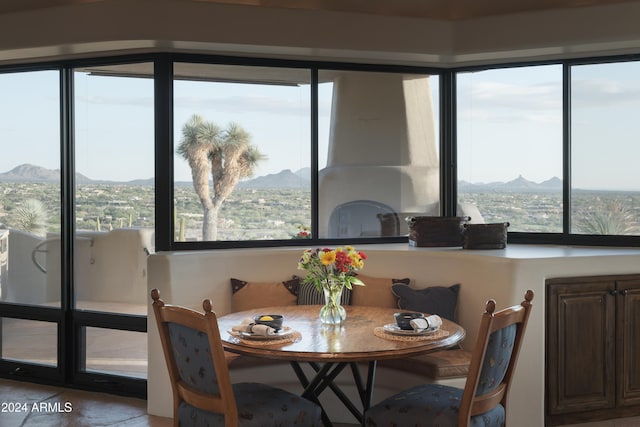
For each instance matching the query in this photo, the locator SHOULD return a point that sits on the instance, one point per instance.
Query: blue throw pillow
(440, 300)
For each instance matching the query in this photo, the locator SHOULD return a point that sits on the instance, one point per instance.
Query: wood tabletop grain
(354, 341)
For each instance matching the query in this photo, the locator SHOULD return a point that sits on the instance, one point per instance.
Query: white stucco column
(382, 144)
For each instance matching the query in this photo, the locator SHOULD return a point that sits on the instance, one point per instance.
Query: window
(378, 152)
(115, 214)
(108, 130)
(605, 178)
(29, 341)
(114, 211)
(243, 151)
(373, 135)
(30, 219)
(509, 126)
(115, 352)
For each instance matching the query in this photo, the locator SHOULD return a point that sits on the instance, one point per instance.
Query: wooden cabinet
(592, 348)
(628, 342)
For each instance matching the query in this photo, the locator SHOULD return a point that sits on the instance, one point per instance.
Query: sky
(509, 123)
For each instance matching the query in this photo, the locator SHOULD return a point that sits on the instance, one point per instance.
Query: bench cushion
(442, 364)
(376, 292)
(440, 300)
(250, 295)
(240, 361)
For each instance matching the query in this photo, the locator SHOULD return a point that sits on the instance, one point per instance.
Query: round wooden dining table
(362, 338)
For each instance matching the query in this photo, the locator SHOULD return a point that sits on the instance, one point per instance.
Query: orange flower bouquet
(330, 271)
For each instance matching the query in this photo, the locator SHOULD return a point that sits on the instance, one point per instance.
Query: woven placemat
(294, 337)
(380, 332)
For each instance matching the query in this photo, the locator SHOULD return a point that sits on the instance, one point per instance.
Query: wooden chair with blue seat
(203, 394)
(483, 401)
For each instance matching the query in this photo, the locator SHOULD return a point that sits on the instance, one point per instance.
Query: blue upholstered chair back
(497, 358)
(193, 358)
(482, 403)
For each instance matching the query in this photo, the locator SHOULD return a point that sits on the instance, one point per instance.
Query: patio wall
(109, 267)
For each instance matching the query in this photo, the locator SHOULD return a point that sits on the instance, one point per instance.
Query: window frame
(166, 241)
(164, 145)
(70, 322)
(565, 237)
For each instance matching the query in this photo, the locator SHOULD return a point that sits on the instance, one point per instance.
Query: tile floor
(31, 405)
(46, 406)
(621, 422)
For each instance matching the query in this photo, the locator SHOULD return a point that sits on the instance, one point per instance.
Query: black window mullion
(67, 360)
(315, 221)
(117, 321)
(163, 112)
(448, 145)
(566, 149)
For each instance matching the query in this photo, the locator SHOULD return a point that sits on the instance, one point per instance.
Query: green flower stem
(332, 312)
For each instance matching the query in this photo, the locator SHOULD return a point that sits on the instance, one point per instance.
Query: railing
(39, 246)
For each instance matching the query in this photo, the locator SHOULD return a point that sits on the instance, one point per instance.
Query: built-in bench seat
(384, 292)
(437, 366)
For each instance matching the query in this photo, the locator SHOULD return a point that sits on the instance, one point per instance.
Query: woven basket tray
(432, 231)
(485, 236)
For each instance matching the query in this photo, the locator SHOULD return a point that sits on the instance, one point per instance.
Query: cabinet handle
(613, 292)
(624, 292)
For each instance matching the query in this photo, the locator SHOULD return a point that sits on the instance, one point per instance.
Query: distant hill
(282, 179)
(304, 173)
(520, 184)
(32, 173)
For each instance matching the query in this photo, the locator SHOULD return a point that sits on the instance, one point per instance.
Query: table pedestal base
(325, 374)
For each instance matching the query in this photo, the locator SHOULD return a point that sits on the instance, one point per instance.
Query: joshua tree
(225, 154)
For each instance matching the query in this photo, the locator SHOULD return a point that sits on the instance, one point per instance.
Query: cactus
(31, 216)
(181, 235)
(175, 218)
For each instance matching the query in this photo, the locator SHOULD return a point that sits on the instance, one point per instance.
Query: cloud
(245, 104)
(139, 101)
(542, 102)
(599, 93)
(540, 96)
(498, 102)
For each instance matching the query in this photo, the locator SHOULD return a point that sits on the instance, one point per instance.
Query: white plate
(282, 333)
(392, 328)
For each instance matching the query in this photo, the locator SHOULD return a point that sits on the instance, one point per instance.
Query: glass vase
(332, 313)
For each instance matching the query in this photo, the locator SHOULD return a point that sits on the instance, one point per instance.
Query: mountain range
(32, 173)
(283, 179)
(520, 184)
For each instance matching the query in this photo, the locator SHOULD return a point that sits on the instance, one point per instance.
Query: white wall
(186, 278)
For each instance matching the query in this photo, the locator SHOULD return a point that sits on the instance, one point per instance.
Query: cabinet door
(580, 347)
(628, 342)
